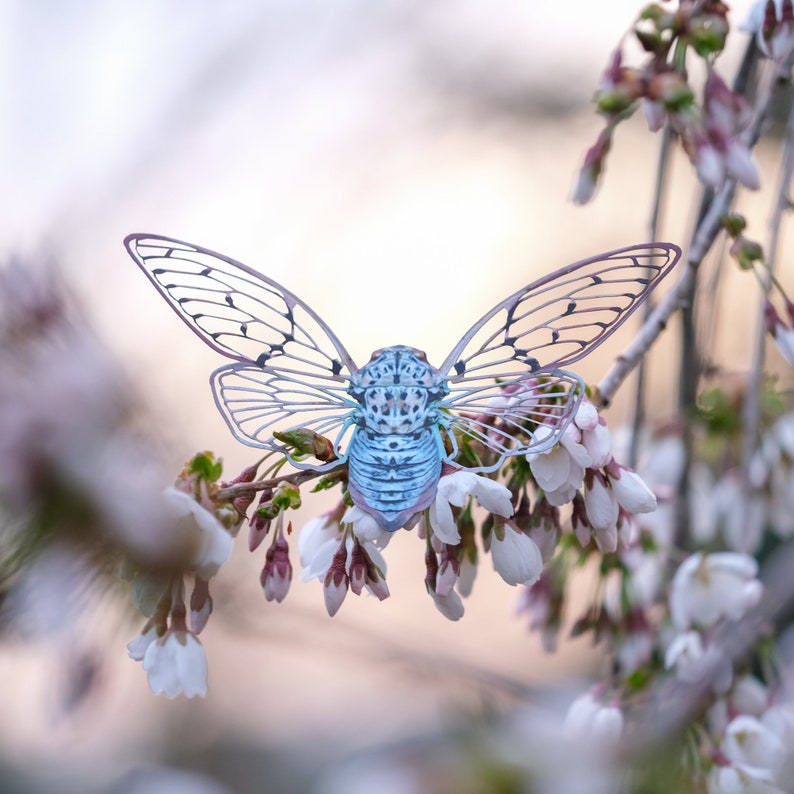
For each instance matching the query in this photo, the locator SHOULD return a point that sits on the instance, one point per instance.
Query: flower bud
(746, 252)
(633, 495)
(277, 573)
(307, 442)
(336, 581)
(448, 571)
(594, 162)
(600, 502)
(259, 525)
(200, 605)
(287, 496)
(358, 568)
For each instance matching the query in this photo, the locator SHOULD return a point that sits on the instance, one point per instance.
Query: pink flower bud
(259, 525)
(592, 168)
(200, 605)
(376, 583)
(447, 575)
(358, 568)
(277, 573)
(336, 581)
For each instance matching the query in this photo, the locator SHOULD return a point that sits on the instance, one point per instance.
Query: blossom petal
(601, 506)
(366, 527)
(176, 665)
(450, 605)
(516, 557)
(632, 493)
(137, 648)
(443, 522)
(493, 496)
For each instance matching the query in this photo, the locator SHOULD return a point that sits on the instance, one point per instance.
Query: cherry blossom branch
(241, 489)
(702, 240)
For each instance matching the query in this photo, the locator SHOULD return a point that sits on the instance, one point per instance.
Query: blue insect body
(394, 458)
(395, 417)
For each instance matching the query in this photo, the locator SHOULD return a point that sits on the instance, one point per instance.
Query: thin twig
(245, 488)
(657, 321)
(653, 228)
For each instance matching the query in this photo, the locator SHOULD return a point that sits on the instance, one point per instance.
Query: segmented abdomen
(392, 476)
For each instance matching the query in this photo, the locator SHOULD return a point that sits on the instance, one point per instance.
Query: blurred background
(402, 166)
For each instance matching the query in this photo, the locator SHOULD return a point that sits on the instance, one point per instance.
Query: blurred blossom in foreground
(75, 465)
(80, 488)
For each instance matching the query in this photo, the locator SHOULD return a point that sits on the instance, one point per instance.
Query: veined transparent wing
(551, 323)
(505, 416)
(254, 401)
(290, 365)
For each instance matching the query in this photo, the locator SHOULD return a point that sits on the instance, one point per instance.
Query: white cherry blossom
(137, 648)
(590, 720)
(365, 527)
(595, 436)
(559, 471)
(694, 662)
(631, 492)
(211, 544)
(749, 742)
(709, 587)
(176, 665)
(455, 489)
(516, 557)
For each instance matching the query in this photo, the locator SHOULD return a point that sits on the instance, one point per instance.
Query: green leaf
(205, 465)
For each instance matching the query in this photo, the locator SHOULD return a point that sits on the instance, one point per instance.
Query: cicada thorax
(394, 459)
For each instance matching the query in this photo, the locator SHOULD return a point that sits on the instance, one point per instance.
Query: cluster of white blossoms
(70, 437)
(712, 132)
(343, 548)
(582, 470)
(706, 590)
(168, 644)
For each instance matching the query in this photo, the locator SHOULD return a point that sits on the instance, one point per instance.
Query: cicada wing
(504, 377)
(254, 401)
(291, 370)
(239, 312)
(559, 318)
(507, 417)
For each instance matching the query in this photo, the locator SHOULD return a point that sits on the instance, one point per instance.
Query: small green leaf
(205, 465)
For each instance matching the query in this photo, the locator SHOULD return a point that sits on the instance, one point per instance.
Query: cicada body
(394, 458)
(398, 419)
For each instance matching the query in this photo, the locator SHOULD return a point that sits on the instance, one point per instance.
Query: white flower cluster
(168, 645)
(752, 731)
(335, 546)
(612, 493)
(343, 550)
(706, 590)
